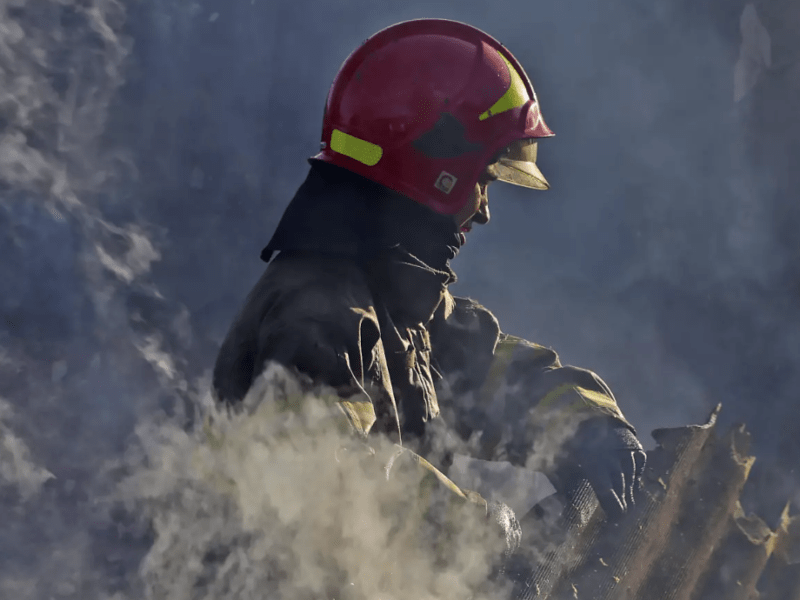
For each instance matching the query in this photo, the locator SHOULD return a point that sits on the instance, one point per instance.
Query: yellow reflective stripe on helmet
(357, 149)
(516, 94)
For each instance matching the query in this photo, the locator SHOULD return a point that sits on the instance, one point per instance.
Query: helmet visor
(517, 165)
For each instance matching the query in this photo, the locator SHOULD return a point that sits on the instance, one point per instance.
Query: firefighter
(420, 119)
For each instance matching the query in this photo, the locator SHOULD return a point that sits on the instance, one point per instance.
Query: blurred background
(148, 148)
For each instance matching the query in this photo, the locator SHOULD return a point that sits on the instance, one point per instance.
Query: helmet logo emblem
(445, 182)
(446, 139)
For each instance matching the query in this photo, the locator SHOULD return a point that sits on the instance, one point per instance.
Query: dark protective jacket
(358, 299)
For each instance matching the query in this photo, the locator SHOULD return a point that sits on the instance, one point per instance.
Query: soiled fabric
(357, 298)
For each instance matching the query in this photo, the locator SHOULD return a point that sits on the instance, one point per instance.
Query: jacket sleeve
(537, 372)
(345, 354)
(322, 331)
(511, 390)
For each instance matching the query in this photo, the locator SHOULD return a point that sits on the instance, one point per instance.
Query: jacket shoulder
(464, 335)
(307, 301)
(311, 286)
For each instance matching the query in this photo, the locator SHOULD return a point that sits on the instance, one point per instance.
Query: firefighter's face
(476, 210)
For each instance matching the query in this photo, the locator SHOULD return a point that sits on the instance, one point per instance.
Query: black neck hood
(339, 212)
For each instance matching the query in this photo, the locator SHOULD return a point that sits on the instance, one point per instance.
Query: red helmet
(424, 106)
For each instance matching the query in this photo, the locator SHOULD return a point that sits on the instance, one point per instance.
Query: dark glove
(610, 457)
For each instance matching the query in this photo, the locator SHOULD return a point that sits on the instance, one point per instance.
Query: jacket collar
(404, 248)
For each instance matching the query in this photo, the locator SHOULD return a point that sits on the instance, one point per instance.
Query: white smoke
(755, 54)
(251, 505)
(17, 466)
(277, 502)
(61, 64)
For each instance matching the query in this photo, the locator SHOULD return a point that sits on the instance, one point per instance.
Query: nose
(482, 217)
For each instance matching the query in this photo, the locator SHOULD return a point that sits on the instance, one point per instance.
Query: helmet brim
(517, 166)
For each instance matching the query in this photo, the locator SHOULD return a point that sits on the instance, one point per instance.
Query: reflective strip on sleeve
(443, 479)
(598, 400)
(586, 399)
(360, 413)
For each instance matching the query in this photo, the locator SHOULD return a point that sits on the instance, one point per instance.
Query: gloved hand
(610, 457)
